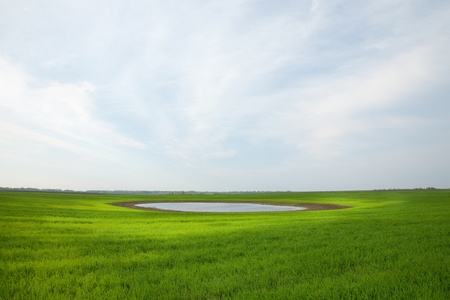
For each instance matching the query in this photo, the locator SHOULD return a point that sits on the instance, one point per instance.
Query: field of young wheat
(388, 245)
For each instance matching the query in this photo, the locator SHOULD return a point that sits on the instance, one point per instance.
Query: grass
(390, 245)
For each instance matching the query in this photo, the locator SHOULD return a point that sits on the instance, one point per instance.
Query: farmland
(388, 245)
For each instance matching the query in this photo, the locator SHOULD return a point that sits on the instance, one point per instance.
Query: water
(219, 207)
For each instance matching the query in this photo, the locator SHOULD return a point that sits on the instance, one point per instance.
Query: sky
(237, 95)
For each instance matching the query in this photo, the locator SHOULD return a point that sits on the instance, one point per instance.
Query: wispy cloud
(216, 89)
(52, 114)
(333, 112)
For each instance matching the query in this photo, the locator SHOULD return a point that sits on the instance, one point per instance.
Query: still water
(218, 207)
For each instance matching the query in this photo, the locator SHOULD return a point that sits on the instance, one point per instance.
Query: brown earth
(308, 206)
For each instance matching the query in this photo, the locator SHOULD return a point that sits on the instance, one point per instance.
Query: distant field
(390, 245)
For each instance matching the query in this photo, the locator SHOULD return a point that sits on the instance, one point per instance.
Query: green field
(390, 245)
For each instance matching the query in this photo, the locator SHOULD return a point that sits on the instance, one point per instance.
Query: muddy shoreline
(308, 206)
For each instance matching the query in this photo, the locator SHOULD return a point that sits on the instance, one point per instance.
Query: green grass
(390, 245)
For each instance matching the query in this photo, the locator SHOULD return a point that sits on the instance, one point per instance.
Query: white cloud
(197, 85)
(326, 119)
(52, 113)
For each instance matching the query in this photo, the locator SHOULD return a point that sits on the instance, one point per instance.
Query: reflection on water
(218, 207)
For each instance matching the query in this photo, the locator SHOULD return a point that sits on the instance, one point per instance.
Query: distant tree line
(29, 189)
(414, 189)
(142, 192)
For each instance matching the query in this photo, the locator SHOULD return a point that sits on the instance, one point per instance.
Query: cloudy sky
(225, 95)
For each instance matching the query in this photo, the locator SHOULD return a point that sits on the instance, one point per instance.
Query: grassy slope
(390, 245)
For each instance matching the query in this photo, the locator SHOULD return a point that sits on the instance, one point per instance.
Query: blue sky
(225, 95)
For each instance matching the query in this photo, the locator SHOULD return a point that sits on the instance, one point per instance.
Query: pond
(218, 207)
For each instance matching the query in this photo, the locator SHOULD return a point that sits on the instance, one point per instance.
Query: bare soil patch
(308, 206)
